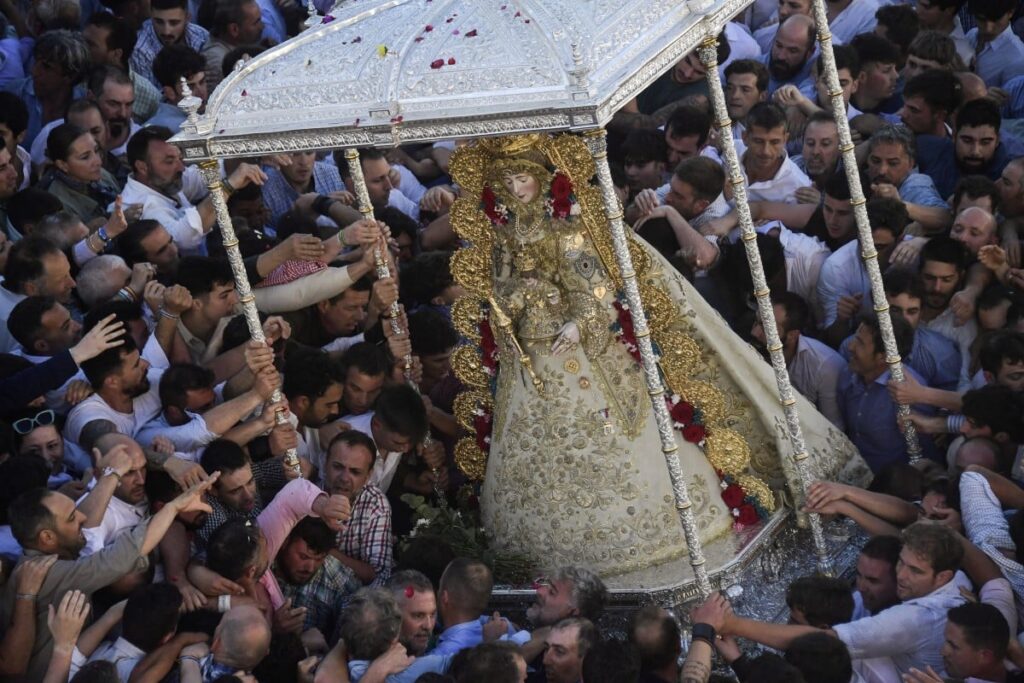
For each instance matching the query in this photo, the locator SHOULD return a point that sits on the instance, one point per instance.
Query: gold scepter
(505, 324)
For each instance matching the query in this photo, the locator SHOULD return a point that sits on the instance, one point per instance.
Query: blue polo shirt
(870, 416)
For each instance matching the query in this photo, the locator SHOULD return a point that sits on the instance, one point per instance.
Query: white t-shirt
(387, 463)
(144, 409)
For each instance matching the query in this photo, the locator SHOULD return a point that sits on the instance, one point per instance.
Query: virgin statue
(564, 436)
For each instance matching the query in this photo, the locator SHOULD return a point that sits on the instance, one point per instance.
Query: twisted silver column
(355, 170)
(599, 150)
(860, 212)
(708, 52)
(211, 173)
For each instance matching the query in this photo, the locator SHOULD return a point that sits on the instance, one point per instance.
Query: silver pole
(860, 212)
(355, 170)
(211, 173)
(708, 52)
(599, 151)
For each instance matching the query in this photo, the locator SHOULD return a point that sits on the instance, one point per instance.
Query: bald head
(106, 442)
(975, 228)
(242, 638)
(798, 27)
(978, 451)
(973, 86)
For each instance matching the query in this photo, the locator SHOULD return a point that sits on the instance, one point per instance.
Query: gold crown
(511, 145)
(524, 261)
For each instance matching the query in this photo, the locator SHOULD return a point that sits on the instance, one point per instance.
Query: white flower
(735, 512)
(575, 209)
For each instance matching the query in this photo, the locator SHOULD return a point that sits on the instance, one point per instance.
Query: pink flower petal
(451, 61)
(437, 64)
(428, 28)
(471, 34)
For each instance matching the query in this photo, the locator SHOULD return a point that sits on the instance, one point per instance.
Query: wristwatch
(705, 632)
(107, 471)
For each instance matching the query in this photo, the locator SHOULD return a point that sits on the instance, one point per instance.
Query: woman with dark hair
(77, 176)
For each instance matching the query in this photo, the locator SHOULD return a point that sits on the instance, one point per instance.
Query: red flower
(733, 496)
(693, 433)
(451, 61)
(748, 515)
(682, 413)
(561, 186)
(437, 64)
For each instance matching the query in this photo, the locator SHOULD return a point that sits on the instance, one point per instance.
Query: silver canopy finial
(189, 104)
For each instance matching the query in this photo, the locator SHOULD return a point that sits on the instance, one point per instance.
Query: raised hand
(107, 334)
(66, 622)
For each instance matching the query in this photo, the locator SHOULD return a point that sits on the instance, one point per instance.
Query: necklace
(528, 230)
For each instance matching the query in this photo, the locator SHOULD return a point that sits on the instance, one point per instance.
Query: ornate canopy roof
(385, 72)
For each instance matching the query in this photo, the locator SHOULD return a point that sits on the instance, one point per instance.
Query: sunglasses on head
(44, 418)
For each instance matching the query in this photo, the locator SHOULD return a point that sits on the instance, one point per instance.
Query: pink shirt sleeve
(290, 505)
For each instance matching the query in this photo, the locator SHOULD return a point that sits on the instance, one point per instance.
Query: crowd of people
(150, 527)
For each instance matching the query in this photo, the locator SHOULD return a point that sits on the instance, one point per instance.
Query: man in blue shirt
(868, 410)
(463, 594)
(891, 154)
(975, 147)
(370, 627)
(789, 61)
(60, 60)
(1000, 53)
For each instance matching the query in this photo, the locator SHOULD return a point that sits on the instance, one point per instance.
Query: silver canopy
(386, 72)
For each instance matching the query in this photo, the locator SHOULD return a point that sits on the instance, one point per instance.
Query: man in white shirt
(35, 266)
(771, 175)
(150, 620)
(158, 183)
(813, 367)
(117, 501)
(911, 634)
(379, 183)
(312, 385)
(847, 18)
(126, 394)
(397, 425)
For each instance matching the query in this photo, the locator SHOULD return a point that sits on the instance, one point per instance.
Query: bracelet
(164, 313)
(228, 188)
(128, 294)
(189, 658)
(25, 596)
(102, 234)
(223, 603)
(322, 204)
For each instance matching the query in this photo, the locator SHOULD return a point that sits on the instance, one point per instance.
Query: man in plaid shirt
(366, 544)
(313, 578)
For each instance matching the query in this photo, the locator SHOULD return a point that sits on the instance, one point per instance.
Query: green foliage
(459, 526)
